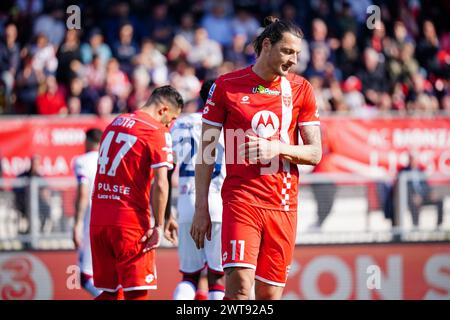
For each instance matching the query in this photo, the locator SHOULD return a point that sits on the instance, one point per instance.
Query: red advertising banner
(57, 140)
(366, 272)
(368, 147)
(380, 146)
(54, 275)
(375, 271)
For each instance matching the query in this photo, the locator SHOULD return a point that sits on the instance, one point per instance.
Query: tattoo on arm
(312, 141)
(311, 135)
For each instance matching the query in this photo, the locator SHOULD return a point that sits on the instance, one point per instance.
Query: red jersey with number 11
(244, 103)
(131, 146)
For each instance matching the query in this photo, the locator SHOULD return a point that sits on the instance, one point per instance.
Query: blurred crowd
(400, 62)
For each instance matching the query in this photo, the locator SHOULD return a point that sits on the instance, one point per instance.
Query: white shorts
(186, 207)
(193, 259)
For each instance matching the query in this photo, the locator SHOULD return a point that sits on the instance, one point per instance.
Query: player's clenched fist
(259, 149)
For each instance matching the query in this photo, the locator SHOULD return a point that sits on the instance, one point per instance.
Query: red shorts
(118, 261)
(260, 239)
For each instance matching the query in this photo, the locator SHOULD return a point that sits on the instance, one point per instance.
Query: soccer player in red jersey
(261, 108)
(134, 147)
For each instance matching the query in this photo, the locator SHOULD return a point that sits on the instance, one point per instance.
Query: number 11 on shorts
(241, 249)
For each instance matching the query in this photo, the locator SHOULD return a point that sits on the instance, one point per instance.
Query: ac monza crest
(265, 123)
(287, 101)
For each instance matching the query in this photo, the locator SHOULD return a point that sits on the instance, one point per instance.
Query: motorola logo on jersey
(265, 123)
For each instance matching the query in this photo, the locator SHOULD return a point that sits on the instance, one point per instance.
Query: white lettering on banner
(391, 281)
(431, 160)
(50, 167)
(15, 165)
(59, 167)
(326, 264)
(421, 138)
(432, 144)
(40, 137)
(444, 162)
(68, 137)
(379, 138)
(437, 274)
(24, 276)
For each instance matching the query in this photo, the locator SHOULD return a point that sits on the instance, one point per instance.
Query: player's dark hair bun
(269, 20)
(273, 30)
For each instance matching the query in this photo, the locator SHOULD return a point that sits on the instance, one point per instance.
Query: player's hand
(77, 235)
(152, 238)
(201, 227)
(259, 149)
(171, 230)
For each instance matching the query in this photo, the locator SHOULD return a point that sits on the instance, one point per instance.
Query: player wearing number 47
(135, 148)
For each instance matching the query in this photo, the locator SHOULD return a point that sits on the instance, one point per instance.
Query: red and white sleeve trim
(309, 123)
